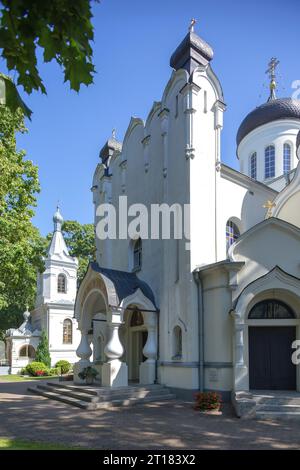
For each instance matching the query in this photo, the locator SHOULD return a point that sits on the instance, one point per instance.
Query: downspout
(158, 340)
(200, 329)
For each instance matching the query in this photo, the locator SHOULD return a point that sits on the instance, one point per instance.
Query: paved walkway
(165, 425)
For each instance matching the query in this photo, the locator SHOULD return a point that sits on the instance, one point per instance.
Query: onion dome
(273, 110)
(191, 52)
(58, 220)
(26, 314)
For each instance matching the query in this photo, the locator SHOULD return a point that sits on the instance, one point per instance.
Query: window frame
(231, 237)
(59, 289)
(270, 158)
(253, 165)
(137, 253)
(67, 335)
(268, 305)
(289, 156)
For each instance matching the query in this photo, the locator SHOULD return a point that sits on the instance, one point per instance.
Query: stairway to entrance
(277, 404)
(93, 398)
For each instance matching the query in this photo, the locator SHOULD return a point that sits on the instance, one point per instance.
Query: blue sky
(134, 40)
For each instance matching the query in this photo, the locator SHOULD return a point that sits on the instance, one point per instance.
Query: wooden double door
(270, 358)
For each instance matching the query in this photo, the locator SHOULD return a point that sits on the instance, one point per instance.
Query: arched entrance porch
(121, 344)
(266, 322)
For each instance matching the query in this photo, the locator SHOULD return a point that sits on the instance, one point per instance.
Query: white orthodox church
(54, 309)
(223, 314)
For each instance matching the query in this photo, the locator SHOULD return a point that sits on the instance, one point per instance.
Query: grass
(21, 378)
(20, 444)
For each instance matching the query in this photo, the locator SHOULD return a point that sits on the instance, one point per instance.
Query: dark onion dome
(273, 110)
(191, 52)
(298, 141)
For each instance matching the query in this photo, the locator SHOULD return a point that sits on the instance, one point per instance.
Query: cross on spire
(272, 76)
(192, 24)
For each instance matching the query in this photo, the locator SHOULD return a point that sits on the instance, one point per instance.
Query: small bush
(35, 367)
(23, 371)
(64, 366)
(206, 401)
(54, 371)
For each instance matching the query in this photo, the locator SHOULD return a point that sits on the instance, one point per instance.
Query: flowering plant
(205, 401)
(40, 373)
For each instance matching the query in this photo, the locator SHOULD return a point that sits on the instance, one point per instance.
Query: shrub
(64, 366)
(42, 351)
(54, 371)
(33, 367)
(206, 401)
(23, 371)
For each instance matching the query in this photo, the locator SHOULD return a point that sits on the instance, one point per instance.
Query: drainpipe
(158, 339)
(200, 329)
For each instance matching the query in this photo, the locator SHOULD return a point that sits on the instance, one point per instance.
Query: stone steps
(97, 398)
(277, 405)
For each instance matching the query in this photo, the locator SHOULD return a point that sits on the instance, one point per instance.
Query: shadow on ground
(165, 425)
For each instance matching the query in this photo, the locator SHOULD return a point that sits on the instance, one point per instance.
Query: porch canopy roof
(125, 283)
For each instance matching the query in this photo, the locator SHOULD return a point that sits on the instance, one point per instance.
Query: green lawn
(19, 444)
(21, 378)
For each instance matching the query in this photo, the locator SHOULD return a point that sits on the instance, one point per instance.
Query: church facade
(219, 309)
(54, 309)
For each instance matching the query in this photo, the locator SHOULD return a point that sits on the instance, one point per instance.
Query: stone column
(83, 351)
(114, 372)
(241, 378)
(147, 368)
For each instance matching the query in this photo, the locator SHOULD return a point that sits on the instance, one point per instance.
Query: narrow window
(253, 166)
(205, 101)
(176, 106)
(137, 254)
(270, 162)
(61, 284)
(67, 331)
(177, 343)
(232, 233)
(286, 158)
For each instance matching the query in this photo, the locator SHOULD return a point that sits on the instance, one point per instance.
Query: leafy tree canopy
(61, 28)
(21, 246)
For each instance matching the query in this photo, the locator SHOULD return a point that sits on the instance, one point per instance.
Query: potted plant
(207, 402)
(88, 374)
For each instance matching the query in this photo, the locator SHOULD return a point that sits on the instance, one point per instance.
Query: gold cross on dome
(269, 205)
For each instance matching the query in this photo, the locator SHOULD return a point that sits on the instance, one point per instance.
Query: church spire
(271, 72)
(191, 52)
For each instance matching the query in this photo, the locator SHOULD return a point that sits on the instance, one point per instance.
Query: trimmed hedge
(64, 366)
(36, 368)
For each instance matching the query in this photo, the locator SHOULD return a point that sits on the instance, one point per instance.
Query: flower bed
(207, 401)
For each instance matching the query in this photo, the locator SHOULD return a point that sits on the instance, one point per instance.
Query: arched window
(137, 255)
(177, 343)
(61, 284)
(232, 233)
(270, 309)
(136, 318)
(286, 158)
(67, 331)
(270, 162)
(27, 351)
(253, 166)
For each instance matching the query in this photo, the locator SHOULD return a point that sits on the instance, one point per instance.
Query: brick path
(165, 425)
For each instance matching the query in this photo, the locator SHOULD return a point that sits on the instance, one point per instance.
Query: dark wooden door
(270, 358)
